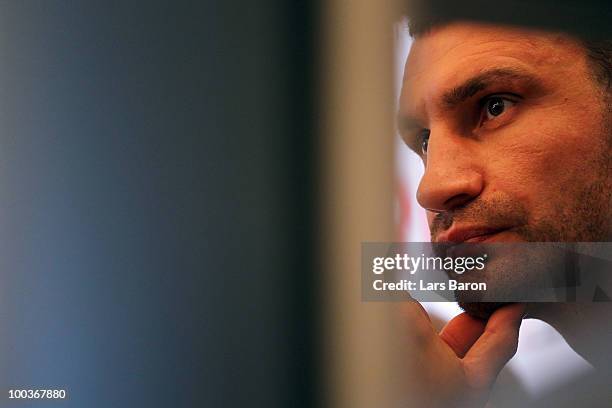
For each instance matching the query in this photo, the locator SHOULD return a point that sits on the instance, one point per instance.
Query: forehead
(449, 55)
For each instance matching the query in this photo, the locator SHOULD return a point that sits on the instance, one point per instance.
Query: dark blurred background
(156, 202)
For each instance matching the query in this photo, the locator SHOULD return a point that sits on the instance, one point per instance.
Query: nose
(452, 177)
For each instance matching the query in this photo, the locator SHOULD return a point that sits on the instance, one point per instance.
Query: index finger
(417, 321)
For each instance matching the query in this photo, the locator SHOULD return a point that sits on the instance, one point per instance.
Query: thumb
(495, 347)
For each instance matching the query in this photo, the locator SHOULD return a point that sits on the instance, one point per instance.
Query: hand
(458, 367)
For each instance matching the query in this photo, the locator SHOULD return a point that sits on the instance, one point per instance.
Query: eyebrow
(459, 94)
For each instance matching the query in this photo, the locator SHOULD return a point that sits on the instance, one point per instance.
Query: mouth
(467, 234)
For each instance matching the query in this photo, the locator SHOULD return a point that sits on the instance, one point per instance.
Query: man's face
(514, 133)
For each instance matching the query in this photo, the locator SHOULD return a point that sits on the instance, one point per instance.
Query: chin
(481, 310)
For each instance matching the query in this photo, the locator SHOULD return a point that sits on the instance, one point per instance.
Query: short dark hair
(598, 52)
(600, 57)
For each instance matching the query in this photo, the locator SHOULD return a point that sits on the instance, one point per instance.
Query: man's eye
(495, 106)
(424, 137)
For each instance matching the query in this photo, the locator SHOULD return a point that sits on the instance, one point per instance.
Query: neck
(584, 325)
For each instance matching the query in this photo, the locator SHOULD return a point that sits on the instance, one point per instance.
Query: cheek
(543, 163)
(566, 149)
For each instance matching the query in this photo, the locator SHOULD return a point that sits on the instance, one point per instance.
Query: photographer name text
(405, 284)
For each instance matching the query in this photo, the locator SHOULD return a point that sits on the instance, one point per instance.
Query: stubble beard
(585, 217)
